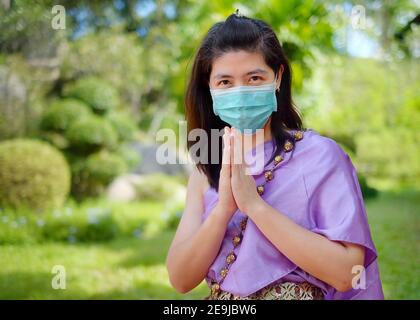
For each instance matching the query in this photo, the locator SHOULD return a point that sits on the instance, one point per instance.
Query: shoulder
(317, 150)
(324, 164)
(320, 146)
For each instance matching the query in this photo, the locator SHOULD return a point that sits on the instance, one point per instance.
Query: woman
(296, 230)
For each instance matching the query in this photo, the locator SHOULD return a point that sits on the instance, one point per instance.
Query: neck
(256, 138)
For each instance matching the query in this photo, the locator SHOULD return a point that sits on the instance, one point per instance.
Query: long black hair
(237, 33)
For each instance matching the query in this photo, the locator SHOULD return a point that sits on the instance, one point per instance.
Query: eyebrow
(258, 70)
(255, 71)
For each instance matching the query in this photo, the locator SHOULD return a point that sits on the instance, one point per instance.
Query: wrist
(222, 213)
(256, 207)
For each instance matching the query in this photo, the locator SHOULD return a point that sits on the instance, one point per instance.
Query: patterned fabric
(276, 291)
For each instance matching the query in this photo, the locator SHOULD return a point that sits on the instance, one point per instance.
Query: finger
(236, 153)
(240, 151)
(226, 152)
(231, 153)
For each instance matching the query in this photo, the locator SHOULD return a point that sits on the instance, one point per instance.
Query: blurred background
(85, 86)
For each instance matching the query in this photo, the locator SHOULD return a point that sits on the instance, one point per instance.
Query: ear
(279, 76)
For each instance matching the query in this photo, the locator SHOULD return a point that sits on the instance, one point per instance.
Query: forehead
(238, 63)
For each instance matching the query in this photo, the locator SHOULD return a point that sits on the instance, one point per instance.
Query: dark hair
(237, 33)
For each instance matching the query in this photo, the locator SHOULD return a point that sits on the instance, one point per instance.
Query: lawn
(133, 268)
(395, 224)
(121, 269)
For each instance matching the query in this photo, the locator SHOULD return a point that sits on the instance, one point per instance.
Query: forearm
(326, 260)
(189, 261)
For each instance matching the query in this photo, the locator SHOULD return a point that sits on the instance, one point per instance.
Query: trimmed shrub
(56, 139)
(62, 114)
(131, 157)
(104, 166)
(123, 125)
(158, 187)
(91, 134)
(32, 174)
(96, 93)
(92, 175)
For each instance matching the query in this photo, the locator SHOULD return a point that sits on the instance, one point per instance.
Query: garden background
(82, 97)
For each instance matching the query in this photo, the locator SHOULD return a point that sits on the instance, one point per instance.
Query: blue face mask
(245, 107)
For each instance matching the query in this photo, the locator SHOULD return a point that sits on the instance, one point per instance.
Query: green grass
(131, 268)
(121, 269)
(395, 225)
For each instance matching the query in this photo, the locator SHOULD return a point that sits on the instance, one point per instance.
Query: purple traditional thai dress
(317, 187)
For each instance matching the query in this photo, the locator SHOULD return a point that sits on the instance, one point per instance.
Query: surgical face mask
(245, 107)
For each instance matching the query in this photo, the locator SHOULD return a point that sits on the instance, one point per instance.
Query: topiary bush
(158, 187)
(96, 172)
(32, 174)
(131, 157)
(62, 114)
(90, 131)
(95, 92)
(58, 140)
(104, 166)
(123, 125)
(91, 134)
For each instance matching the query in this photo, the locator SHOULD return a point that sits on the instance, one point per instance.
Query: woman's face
(241, 68)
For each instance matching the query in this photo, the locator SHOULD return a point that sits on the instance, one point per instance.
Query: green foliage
(104, 166)
(95, 92)
(123, 125)
(93, 225)
(91, 141)
(93, 144)
(90, 221)
(56, 139)
(390, 156)
(173, 220)
(373, 109)
(367, 191)
(141, 65)
(159, 187)
(119, 59)
(96, 172)
(130, 156)
(59, 117)
(134, 268)
(62, 114)
(32, 174)
(166, 189)
(91, 134)
(395, 224)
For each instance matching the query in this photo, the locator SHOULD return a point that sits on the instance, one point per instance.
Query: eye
(223, 83)
(254, 79)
